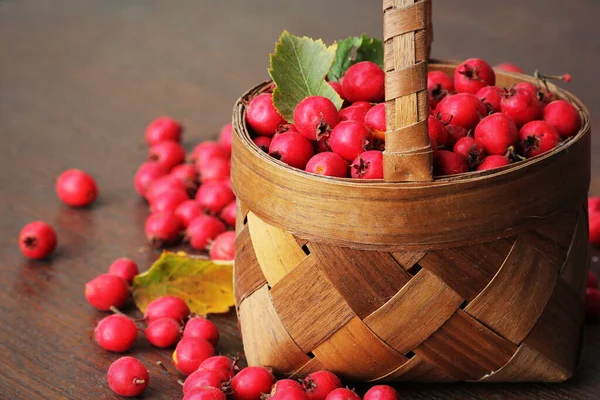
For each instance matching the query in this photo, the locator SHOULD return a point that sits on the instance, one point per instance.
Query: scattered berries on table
(37, 240)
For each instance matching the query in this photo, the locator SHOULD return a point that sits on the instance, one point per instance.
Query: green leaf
(206, 286)
(354, 50)
(298, 68)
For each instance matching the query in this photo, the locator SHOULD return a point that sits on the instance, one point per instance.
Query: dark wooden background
(80, 79)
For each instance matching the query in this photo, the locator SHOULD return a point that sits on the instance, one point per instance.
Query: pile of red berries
(473, 124)
(191, 200)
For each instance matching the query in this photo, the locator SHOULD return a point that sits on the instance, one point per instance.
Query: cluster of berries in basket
(473, 124)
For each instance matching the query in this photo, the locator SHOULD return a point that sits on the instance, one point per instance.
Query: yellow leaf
(206, 286)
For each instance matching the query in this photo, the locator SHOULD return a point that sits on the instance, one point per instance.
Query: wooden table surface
(80, 79)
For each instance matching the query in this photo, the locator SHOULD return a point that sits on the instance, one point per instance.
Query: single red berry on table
(167, 154)
(355, 111)
(375, 121)
(76, 188)
(315, 116)
(349, 139)
(470, 150)
(342, 394)
(206, 377)
(448, 163)
(168, 201)
(453, 134)
(106, 291)
(207, 150)
(163, 332)
(203, 230)
(205, 393)
(190, 353)
(337, 86)
(537, 137)
(226, 137)
(163, 129)
(222, 363)
(521, 106)
(262, 116)
(497, 133)
(222, 248)
(493, 162)
(491, 97)
(439, 85)
(128, 377)
(381, 392)
(368, 165)
(164, 184)
(509, 67)
(199, 327)
(215, 169)
(187, 211)
(594, 228)
(328, 164)
(263, 142)
(250, 383)
(37, 240)
(292, 148)
(147, 173)
(167, 307)
(463, 109)
(228, 213)
(319, 384)
(163, 229)
(124, 267)
(472, 75)
(437, 130)
(364, 81)
(214, 196)
(592, 280)
(592, 304)
(116, 333)
(563, 116)
(187, 174)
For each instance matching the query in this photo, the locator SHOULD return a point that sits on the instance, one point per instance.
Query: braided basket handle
(407, 37)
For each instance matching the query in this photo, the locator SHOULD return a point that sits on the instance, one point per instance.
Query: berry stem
(116, 310)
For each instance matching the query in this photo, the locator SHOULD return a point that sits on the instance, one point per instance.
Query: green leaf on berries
(354, 50)
(206, 286)
(298, 68)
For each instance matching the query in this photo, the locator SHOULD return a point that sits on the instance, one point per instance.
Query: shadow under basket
(475, 277)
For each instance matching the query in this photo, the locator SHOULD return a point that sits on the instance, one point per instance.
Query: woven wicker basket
(476, 277)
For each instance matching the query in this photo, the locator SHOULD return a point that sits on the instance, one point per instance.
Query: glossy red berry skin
(222, 363)
(285, 384)
(315, 116)
(205, 393)
(592, 304)
(491, 97)
(592, 280)
(203, 230)
(228, 214)
(261, 115)
(470, 150)
(163, 229)
(292, 148)
(319, 384)
(163, 332)
(76, 188)
(537, 137)
(349, 139)
(168, 201)
(163, 129)
(128, 377)
(226, 137)
(167, 307)
(493, 162)
(251, 382)
(453, 134)
(106, 291)
(375, 121)
(364, 81)
(263, 142)
(147, 173)
(342, 394)
(222, 248)
(509, 68)
(289, 394)
(563, 116)
(328, 164)
(214, 196)
(448, 163)
(472, 75)
(437, 130)
(214, 170)
(355, 112)
(593, 204)
(439, 85)
(190, 353)
(368, 165)
(37, 240)
(463, 109)
(187, 174)
(116, 333)
(521, 106)
(207, 150)
(164, 184)
(187, 211)
(124, 267)
(381, 392)
(205, 377)
(167, 154)
(497, 133)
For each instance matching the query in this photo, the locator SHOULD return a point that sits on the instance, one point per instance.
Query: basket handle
(407, 38)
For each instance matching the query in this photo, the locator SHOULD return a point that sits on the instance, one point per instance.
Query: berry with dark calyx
(463, 109)
(124, 267)
(472, 75)
(207, 150)
(76, 188)
(448, 163)
(491, 97)
(205, 377)
(592, 280)
(315, 117)
(262, 116)
(128, 377)
(453, 134)
(205, 393)
(162, 229)
(592, 304)
(292, 148)
(37, 240)
(364, 81)
(349, 139)
(319, 384)
(228, 213)
(222, 247)
(164, 184)
(263, 142)
(327, 164)
(368, 165)
(521, 106)
(342, 394)
(537, 137)
(470, 150)
(509, 67)
(322, 145)
(116, 333)
(203, 230)
(286, 128)
(375, 121)
(163, 129)
(190, 353)
(493, 162)
(167, 154)
(168, 201)
(337, 86)
(563, 116)
(250, 383)
(167, 307)
(497, 133)
(594, 228)
(437, 130)
(106, 291)
(355, 111)
(187, 174)
(214, 196)
(147, 173)
(221, 363)
(187, 211)
(439, 85)
(215, 169)
(225, 137)
(163, 332)
(381, 392)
